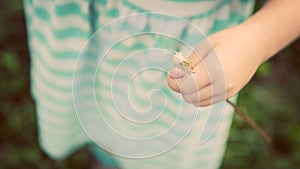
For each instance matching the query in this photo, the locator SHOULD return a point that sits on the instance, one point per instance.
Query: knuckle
(230, 85)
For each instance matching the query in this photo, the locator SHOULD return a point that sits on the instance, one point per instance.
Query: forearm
(274, 26)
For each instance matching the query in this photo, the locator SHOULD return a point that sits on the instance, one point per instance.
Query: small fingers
(187, 84)
(201, 51)
(198, 96)
(210, 93)
(210, 101)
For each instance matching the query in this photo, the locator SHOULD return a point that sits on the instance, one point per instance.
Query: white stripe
(59, 23)
(41, 70)
(62, 96)
(54, 119)
(63, 65)
(178, 9)
(66, 44)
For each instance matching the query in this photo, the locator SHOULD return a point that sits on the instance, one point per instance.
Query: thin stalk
(252, 123)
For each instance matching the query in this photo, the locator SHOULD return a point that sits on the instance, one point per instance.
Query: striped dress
(98, 77)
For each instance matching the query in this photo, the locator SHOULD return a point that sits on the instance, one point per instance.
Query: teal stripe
(70, 8)
(63, 55)
(39, 59)
(60, 11)
(59, 88)
(42, 14)
(64, 114)
(159, 125)
(27, 2)
(106, 159)
(66, 130)
(244, 2)
(133, 7)
(53, 85)
(144, 102)
(211, 11)
(173, 100)
(62, 132)
(102, 2)
(63, 110)
(28, 17)
(53, 125)
(113, 13)
(235, 18)
(58, 141)
(70, 32)
(45, 95)
(112, 62)
(109, 75)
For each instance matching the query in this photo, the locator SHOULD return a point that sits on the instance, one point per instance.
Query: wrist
(275, 25)
(256, 41)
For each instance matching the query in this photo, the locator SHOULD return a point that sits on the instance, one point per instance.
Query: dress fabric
(58, 33)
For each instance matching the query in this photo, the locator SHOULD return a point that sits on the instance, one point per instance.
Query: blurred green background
(271, 99)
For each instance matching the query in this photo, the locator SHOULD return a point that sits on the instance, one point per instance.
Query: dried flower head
(183, 63)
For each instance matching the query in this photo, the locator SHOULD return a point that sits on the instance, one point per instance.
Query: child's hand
(238, 58)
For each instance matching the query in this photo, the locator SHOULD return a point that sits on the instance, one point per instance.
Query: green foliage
(18, 139)
(271, 99)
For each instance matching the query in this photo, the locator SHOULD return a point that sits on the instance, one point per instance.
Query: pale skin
(240, 50)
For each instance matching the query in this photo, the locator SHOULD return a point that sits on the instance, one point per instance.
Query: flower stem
(252, 123)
